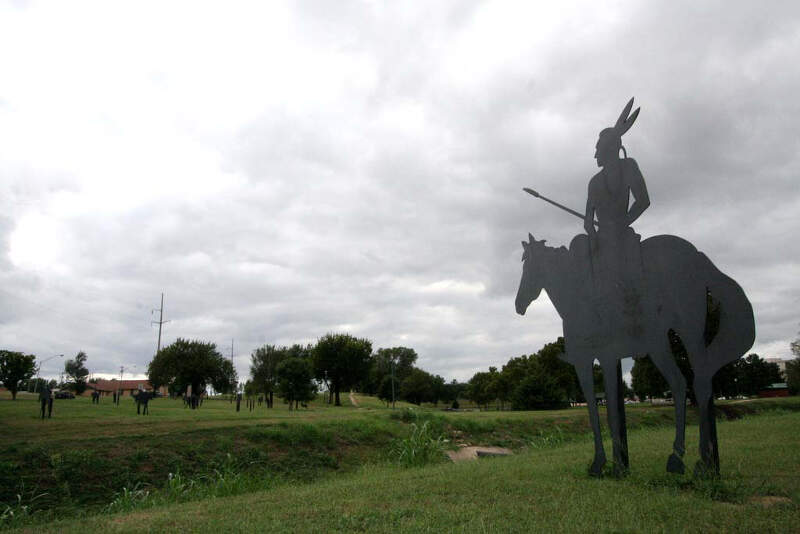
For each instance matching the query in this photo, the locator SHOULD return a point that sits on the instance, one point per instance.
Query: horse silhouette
(142, 399)
(676, 280)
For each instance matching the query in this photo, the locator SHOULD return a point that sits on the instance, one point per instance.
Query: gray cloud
(392, 207)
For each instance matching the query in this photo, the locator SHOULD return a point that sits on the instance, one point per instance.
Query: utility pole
(232, 367)
(160, 322)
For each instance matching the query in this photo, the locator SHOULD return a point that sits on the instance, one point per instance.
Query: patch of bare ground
(472, 453)
(770, 500)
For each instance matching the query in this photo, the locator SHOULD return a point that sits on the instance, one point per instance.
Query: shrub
(406, 415)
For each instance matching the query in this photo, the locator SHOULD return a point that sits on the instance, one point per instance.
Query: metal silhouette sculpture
(46, 401)
(619, 297)
(142, 399)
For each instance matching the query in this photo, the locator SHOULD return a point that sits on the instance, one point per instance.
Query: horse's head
(532, 280)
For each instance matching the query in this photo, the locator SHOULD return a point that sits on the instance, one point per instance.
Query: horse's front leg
(586, 379)
(612, 376)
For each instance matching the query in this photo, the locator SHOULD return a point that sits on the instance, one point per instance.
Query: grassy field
(253, 470)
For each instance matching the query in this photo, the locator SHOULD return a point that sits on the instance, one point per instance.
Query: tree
(250, 389)
(380, 366)
(387, 391)
(295, 381)
(437, 389)
(342, 361)
(453, 391)
(224, 380)
(646, 380)
(539, 381)
(77, 372)
(417, 387)
(793, 369)
(497, 388)
(14, 368)
(548, 382)
(549, 358)
(190, 363)
(726, 381)
(793, 375)
(403, 359)
(33, 384)
(264, 362)
(755, 374)
(479, 389)
(539, 391)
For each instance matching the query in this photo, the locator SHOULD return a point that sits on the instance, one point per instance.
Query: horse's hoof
(619, 470)
(596, 469)
(704, 470)
(675, 464)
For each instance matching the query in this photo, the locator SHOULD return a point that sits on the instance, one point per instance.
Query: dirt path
(353, 399)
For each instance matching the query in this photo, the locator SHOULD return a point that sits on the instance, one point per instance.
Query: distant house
(779, 389)
(124, 387)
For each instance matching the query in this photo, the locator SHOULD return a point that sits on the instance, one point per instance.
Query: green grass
(88, 458)
(543, 490)
(78, 417)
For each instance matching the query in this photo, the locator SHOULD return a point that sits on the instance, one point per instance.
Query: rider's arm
(638, 190)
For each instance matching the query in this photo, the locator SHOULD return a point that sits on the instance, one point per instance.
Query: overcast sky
(281, 171)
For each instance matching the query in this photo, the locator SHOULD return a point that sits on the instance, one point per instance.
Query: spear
(556, 204)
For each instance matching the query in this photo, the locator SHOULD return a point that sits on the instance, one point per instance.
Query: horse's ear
(531, 239)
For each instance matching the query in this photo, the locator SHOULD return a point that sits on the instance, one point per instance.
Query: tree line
(336, 363)
(530, 382)
(543, 381)
(339, 363)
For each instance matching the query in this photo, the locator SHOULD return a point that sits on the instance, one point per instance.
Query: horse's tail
(737, 329)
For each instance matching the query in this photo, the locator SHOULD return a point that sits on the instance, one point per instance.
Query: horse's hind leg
(665, 363)
(586, 379)
(709, 452)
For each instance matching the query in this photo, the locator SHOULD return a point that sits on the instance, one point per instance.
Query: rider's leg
(586, 379)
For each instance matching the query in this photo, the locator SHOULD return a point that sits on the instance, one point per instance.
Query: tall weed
(552, 438)
(21, 509)
(420, 448)
(129, 499)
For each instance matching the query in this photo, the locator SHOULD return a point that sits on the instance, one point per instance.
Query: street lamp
(122, 370)
(39, 368)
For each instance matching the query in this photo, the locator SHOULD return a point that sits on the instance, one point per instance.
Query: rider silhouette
(614, 247)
